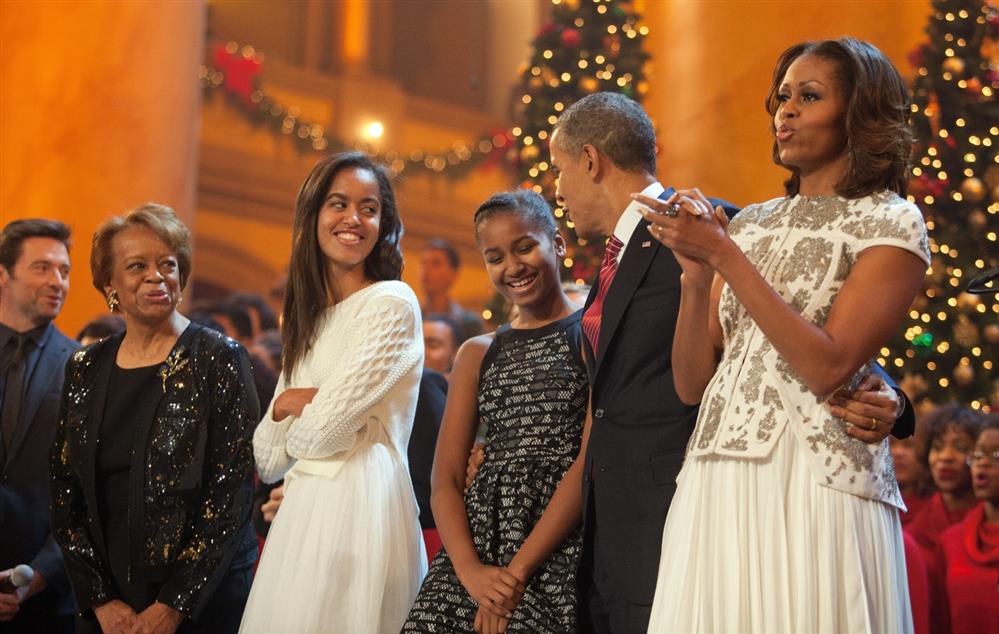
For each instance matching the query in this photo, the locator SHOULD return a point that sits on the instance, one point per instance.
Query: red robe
(919, 590)
(915, 504)
(931, 521)
(969, 555)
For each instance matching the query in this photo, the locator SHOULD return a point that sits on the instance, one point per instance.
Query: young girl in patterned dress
(510, 544)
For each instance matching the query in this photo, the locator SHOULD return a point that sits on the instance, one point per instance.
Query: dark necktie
(593, 314)
(14, 387)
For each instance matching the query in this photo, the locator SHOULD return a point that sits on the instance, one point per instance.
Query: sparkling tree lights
(949, 346)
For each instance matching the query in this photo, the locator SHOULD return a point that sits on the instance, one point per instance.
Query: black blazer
(423, 440)
(25, 496)
(189, 491)
(640, 426)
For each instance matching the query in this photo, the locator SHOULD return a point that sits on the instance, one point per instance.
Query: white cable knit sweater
(366, 360)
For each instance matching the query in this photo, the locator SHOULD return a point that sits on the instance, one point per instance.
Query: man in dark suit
(603, 150)
(34, 280)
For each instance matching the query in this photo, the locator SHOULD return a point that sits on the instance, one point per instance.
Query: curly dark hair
(879, 140)
(306, 293)
(952, 415)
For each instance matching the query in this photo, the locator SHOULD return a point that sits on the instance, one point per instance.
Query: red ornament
(571, 38)
(546, 30)
(917, 56)
(974, 86)
(240, 73)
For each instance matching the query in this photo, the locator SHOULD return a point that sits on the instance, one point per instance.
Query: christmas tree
(948, 347)
(588, 46)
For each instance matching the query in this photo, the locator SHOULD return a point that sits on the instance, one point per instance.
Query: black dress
(135, 396)
(532, 397)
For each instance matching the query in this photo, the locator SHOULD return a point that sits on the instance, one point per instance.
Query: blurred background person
(969, 550)
(440, 342)
(262, 316)
(99, 328)
(152, 479)
(34, 282)
(913, 479)
(439, 267)
(948, 436)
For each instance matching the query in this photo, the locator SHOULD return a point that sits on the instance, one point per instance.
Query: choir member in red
(949, 434)
(969, 551)
(912, 477)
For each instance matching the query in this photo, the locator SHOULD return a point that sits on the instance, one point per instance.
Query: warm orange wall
(98, 113)
(712, 63)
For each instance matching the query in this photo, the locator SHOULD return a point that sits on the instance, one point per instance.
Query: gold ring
(874, 423)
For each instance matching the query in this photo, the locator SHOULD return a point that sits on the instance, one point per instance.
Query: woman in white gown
(345, 553)
(784, 520)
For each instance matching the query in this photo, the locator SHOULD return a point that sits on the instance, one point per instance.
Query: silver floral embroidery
(711, 421)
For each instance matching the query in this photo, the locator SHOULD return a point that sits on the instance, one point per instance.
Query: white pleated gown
(345, 552)
(756, 546)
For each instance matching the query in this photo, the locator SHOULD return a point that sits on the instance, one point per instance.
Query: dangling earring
(112, 300)
(180, 298)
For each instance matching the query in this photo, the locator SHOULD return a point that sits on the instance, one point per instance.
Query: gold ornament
(964, 375)
(973, 189)
(642, 88)
(588, 84)
(966, 333)
(535, 84)
(977, 219)
(995, 193)
(529, 153)
(967, 301)
(992, 333)
(954, 65)
(992, 176)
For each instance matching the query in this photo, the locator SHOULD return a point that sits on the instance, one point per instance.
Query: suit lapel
(41, 378)
(634, 263)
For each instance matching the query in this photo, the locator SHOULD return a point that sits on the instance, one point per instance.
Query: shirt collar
(630, 217)
(36, 334)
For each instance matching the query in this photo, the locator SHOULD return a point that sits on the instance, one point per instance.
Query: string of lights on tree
(588, 46)
(949, 346)
(235, 71)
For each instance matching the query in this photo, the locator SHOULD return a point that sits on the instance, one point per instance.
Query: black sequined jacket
(189, 493)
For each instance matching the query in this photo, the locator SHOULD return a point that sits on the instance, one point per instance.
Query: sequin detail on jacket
(196, 485)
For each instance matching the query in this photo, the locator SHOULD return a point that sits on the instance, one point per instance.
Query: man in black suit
(34, 280)
(603, 150)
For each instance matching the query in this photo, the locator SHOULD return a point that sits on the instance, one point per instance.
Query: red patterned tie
(591, 318)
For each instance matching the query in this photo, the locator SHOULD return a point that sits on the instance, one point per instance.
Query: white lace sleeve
(383, 349)
(269, 449)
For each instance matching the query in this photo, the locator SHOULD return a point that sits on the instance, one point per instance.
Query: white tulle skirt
(758, 546)
(343, 554)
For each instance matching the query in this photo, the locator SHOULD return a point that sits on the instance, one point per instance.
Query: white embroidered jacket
(805, 247)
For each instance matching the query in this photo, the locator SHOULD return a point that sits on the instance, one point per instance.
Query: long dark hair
(879, 141)
(307, 293)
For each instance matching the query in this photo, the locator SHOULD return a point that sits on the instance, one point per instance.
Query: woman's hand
(488, 623)
(159, 618)
(493, 589)
(292, 401)
(686, 223)
(869, 411)
(116, 617)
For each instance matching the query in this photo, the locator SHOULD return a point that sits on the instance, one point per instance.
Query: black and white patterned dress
(532, 397)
